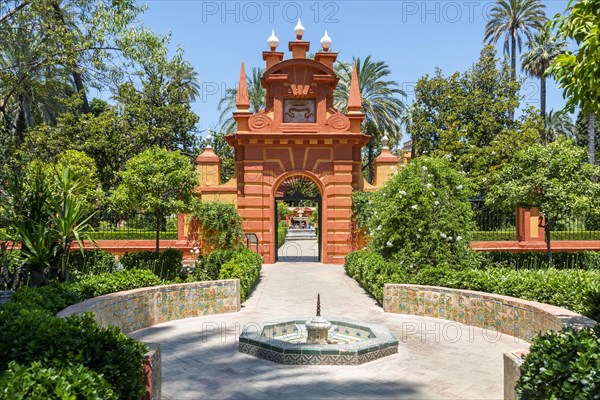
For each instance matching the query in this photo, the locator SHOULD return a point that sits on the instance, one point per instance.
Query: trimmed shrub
(38, 382)
(372, 271)
(99, 285)
(539, 260)
(90, 262)
(281, 233)
(576, 290)
(245, 265)
(562, 365)
(28, 335)
(166, 264)
(56, 297)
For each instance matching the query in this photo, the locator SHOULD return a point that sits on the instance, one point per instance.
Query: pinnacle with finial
(318, 304)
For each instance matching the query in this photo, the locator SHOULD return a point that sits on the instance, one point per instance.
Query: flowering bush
(422, 215)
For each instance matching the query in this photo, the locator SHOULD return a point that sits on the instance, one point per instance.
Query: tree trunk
(548, 228)
(545, 138)
(513, 64)
(159, 215)
(21, 123)
(513, 55)
(371, 168)
(591, 137)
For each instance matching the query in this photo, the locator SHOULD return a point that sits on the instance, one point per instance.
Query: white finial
(209, 139)
(326, 42)
(273, 41)
(299, 30)
(385, 140)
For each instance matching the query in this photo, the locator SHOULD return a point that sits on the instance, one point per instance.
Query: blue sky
(413, 37)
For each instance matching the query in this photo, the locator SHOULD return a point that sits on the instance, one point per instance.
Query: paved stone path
(299, 251)
(437, 359)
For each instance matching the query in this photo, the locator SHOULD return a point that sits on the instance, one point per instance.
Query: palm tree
(559, 123)
(256, 94)
(543, 49)
(512, 18)
(380, 101)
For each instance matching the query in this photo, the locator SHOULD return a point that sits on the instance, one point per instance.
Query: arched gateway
(298, 134)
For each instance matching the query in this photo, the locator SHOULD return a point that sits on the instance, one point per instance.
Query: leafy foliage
(577, 290)
(537, 260)
(469, 118)
(422, 215)
(38, 382)
(219, 226)
(157, 181)
(562, 365)
(245, 265)
(577, 73)
(554, 179)
(166, 264)
(76, 340)
(382, 102)
(91, 262)
(372, 271)
(511, 19)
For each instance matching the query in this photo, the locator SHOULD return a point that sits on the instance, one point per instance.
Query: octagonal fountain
(319, 341)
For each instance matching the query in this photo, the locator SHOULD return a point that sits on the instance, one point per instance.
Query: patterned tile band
(140, 308)
(508, 315)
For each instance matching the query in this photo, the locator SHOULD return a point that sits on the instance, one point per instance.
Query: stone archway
(302, 196)
(298, 133)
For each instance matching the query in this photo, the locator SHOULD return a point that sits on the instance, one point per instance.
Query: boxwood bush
(537, 260)
(28, 335)
(90, 262)
(36, 381)
(244, 265)
(58, 296)
(562, 365)
(166, 264)
(577, 290)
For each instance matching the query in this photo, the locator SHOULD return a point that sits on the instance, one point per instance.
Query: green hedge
(56, 297)
(36, 381)
(577, 290)
(372, 271)
(562, 365)
(537, 260)
(32, 334)
(133, 235)
(166, 264)
(90, 262)
(281, 233)
(244, 265)
(503, 235)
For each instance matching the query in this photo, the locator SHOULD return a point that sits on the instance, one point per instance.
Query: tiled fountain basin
(357, 343)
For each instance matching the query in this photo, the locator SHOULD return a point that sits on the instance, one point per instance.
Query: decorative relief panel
(260, 122)
(299, 111)
(339, 122)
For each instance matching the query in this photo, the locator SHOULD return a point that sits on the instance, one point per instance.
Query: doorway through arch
(298, 220)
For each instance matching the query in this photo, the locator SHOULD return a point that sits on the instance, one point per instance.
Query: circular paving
(436, 358)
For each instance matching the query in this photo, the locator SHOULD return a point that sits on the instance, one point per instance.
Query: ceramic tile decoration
(508, 315)
(140, 308)
(355, 343)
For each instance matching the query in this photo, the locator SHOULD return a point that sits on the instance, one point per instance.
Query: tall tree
(543, 49)
(467, 117)
(381, 101)
(553, 178)
(156, 181)
(226, 107)
(512, 19)
(559, 123)
(577, 72)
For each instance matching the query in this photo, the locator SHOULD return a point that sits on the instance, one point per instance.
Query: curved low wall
(140, 308)
(516, 317)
